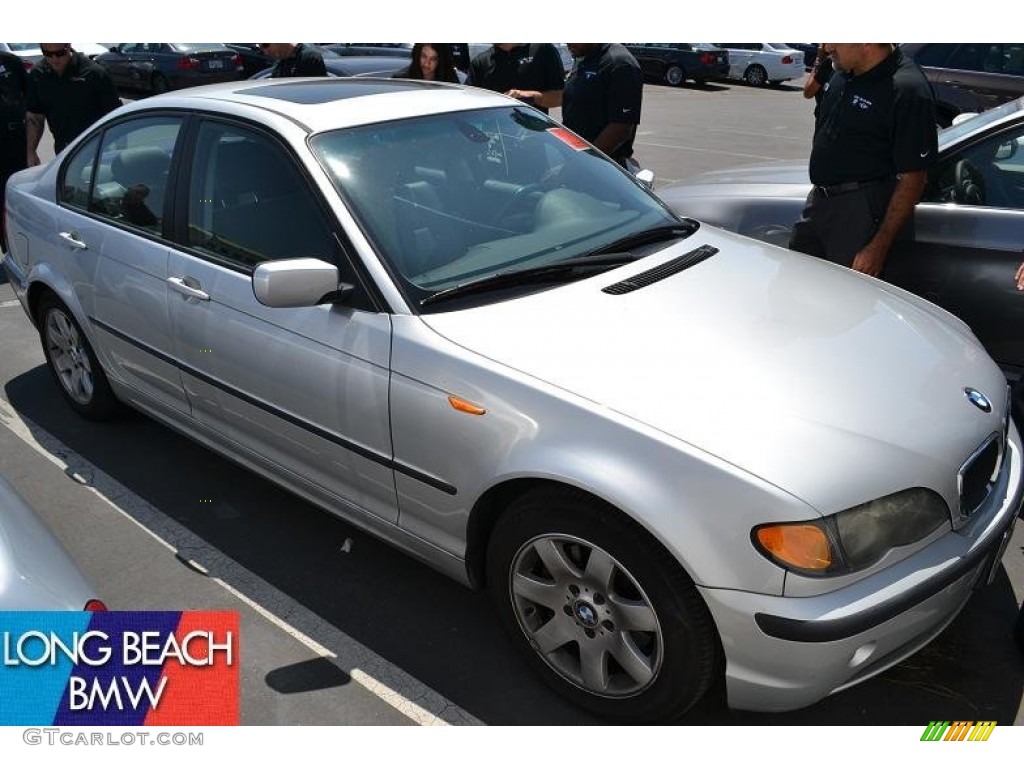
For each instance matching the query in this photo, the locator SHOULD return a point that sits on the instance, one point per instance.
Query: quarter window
(74, 190)
(134, 165)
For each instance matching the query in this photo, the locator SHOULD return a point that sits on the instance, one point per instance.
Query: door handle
(74, 240)
(181, 285)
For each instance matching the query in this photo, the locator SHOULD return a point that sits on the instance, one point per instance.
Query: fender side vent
(669, 268)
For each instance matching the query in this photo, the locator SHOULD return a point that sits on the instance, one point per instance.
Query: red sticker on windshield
(569, 138)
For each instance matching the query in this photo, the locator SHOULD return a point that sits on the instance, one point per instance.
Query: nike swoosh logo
(925, 153)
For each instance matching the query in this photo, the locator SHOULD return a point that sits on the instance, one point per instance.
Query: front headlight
(855, 538)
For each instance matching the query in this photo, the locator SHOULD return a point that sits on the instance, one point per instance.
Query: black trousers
(836, 227)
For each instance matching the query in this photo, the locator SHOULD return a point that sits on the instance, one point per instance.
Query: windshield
(23, 46)
(984, 119)
(453, 198)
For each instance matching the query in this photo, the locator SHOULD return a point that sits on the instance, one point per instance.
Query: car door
(118, 63)
(302, 392)
(112, 217)
(740, 56)
(968, 242)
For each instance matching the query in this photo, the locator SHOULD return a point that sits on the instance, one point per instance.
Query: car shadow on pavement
(441, 633)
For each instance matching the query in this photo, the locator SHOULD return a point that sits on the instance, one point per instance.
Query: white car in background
(763, 63)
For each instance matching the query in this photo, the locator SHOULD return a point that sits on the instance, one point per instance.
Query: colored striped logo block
(119, 668)
(960, 730)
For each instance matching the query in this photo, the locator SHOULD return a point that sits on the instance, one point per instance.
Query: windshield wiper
(646, 237)
(568, 269)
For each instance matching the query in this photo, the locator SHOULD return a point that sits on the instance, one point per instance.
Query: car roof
(320, 103)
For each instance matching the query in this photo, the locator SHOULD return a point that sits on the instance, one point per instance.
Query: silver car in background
(672, 454)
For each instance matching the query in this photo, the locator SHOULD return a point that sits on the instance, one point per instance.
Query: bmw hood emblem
(978, 400)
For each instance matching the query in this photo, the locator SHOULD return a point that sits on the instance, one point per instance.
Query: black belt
(832, 190)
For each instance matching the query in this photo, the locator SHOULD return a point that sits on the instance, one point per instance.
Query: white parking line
(388, 682)
(13, 303)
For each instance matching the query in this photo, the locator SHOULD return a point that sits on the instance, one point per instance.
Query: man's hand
(870, 260)
(1020, 277)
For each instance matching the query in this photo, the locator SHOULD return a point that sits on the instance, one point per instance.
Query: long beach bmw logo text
(978, 400)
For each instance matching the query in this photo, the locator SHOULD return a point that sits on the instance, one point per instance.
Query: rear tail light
(236, 60)
(28, 65)
(707, 58)
(787, 59)
(96, 606)
(189, 62)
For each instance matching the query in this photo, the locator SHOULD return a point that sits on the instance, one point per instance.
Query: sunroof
(331, 89)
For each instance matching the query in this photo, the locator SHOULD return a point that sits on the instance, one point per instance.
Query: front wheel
(755, 75)
(675, 75)
(599, 609)
(73, 363)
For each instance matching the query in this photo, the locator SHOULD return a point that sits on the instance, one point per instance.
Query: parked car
(353, 66)
(29, 53)
(254, 60)
(968, 224)
(36, 572)
(159, 67)
(674, 63)
(970, 77)
(672, 454)
(763, 63)
(809, 50)
(394, 50)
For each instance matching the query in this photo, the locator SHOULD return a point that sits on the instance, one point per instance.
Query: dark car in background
(254, 60)
(967, 227)
(354, 66)
(159, 67)
(970, 77)
(396, 50)
(674, 63)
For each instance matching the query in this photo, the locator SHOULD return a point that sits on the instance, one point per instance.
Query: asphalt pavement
(337, 627)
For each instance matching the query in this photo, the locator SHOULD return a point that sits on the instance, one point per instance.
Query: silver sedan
(671, 454)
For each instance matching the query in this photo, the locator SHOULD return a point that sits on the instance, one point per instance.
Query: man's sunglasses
(55, 54)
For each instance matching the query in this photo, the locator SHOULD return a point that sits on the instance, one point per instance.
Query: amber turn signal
(465, 406)
(800, 546)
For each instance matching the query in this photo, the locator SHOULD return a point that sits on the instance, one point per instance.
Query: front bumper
(784, 653)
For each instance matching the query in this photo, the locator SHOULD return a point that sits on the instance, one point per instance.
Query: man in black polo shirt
(603, 96)
(68, 92)
(530, 72)
(13, 89)
(874, 139)
(295, 60)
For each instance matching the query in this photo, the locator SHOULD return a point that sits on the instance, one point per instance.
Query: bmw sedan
(969, 225)
(159, 67)
(671, 454)
(36, 572)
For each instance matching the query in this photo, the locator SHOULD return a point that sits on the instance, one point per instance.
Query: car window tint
(131, 181)
(970, 56)
(934, 55)
(249, 203)
(77, 181)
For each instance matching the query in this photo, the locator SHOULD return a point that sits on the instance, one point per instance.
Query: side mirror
(298, 283)
(645, 177)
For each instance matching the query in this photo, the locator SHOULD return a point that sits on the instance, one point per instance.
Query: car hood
(790, 368)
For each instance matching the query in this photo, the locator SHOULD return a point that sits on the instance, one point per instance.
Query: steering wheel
(970, 184)
(517, 199)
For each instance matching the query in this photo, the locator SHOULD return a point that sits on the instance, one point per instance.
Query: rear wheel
(675, 75)
(755, 75)
(159, 83)
(599, 609)
(73, 363)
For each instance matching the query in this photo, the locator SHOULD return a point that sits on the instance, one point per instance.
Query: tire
(599, 609)
(755, 75)
(675, 75)
(159, 83)
(73, 363)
